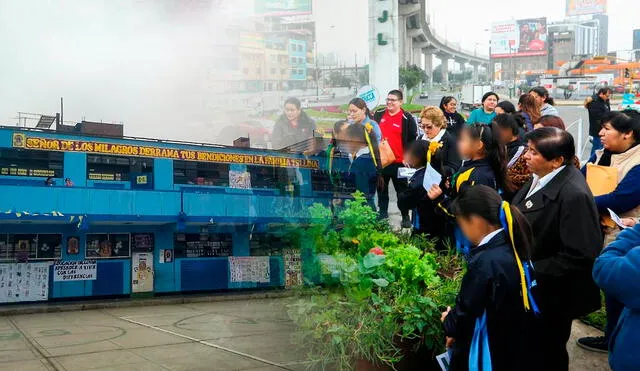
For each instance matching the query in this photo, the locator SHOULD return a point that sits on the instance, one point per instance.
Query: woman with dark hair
(550, 121)
(362, 166)
(529, 110)
(509, 128)
(505, 107)
(495, 289)
(484, 164)
(455, 121)
(485, 114)
(293, 126)
(545, 101)
(564, 218)
(620, 136)
(359, 114)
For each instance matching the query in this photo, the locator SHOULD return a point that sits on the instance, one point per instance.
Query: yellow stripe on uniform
(523, 281)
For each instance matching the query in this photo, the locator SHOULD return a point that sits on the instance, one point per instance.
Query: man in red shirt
(400, 130)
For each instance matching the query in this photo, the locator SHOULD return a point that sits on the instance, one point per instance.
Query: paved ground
(233, 335)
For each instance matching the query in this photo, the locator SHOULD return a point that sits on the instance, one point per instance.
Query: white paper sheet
(431, 177)
(616, 219)
(444, 361)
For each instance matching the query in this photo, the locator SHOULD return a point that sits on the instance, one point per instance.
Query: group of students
(516, 202)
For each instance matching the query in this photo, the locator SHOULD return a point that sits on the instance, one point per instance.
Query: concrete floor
(233, 335)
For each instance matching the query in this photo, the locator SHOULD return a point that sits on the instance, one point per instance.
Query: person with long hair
(484, 163)
(362, 167)
(509, 130)
(399, 129)
(359, 114)
(487, 112)
(545, 101)
(559, 206)
(620, 136)
(505, 107)
(495, 294)
(598, 106)
(529, 110)
(293, 126)
(455, 121)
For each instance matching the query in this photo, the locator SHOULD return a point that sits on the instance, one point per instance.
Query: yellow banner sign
(20, 140)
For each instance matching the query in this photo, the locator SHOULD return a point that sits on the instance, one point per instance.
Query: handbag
(480, 355)
(387, 157)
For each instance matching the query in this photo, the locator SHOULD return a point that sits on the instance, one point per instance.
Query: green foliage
(597, 319)
(370, 303)
(412, 76)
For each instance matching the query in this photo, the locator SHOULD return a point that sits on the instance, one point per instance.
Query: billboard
(519, 38)
(282, 8)
(583, 7)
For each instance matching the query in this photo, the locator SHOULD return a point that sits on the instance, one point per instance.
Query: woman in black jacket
(442, 144)
(495, 287)
(455, 121)
(565, 220)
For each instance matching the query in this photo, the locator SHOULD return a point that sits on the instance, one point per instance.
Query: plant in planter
(380, 305)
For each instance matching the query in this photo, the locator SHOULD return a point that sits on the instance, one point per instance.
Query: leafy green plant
(380, 290)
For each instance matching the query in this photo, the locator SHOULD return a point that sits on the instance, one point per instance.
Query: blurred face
(356, 114)
(490, 103)
(468, 147)
(411, 160)
(539, 98)
(614, 140)
(393, 103)
(499, 111)
(473, 227)
(292, 112)
(451, 106)
(506, 135)
(538, 126)
(605, 96)
(538, 164)
(429, 128)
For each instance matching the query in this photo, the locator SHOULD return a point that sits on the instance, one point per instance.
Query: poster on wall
(239, 179)
(292, 268)
(519, 38)
(24, 282)
(79, 270)
(250, 269)
(113, 245)
(142, 272)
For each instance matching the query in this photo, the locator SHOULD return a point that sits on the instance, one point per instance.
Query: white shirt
(539, 183)
(362, 151)
(437, 138)
(488, 237)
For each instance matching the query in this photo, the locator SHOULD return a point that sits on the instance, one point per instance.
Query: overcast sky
(148, 63)
(463, 21)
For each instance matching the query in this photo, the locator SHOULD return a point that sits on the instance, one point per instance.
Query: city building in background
(636, 43)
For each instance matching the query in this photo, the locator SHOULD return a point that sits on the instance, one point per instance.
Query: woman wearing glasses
(444, 156)
(455, 121)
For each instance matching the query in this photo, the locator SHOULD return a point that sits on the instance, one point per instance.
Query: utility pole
(357, 76)
(315, 49)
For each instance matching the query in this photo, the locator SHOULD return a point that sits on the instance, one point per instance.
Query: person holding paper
(495, 288)
(424, 218)
(620, 136)
(518, 174)
(444, 151)
(485, 164)
(565, 221)
(617, 272)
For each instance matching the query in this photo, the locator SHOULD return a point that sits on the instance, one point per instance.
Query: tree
(412, 76)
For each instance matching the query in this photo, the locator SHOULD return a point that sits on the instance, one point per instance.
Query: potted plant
(381, 297)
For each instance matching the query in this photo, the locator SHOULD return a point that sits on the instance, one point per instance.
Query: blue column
(75, 168)
(163, 174)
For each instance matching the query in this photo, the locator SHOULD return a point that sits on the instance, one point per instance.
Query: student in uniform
(362, 167)
(484, 164)
(495, 290)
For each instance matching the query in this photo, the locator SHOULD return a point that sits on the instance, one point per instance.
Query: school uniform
(365, 174)
(492, 285)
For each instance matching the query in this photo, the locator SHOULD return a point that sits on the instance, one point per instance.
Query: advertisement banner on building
(282, 8)
(142, 272)
(78, 270)
(583, 7)
(519, 38)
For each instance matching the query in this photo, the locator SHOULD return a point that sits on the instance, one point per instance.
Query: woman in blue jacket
(617, 272)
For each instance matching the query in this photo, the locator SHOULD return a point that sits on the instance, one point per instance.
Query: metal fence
(581, 137)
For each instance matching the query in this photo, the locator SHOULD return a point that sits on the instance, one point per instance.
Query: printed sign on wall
(24, 282)
(292, 267)
(142, 272)
(79, 270)
(250, 269)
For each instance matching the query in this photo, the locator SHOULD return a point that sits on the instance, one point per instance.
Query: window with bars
(116, 168)
(24, 247)
(200, 173)
(20, 162)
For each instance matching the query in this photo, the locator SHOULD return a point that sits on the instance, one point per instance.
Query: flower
(433, 147)
(376, 251)
(355, 241)
(368, 127)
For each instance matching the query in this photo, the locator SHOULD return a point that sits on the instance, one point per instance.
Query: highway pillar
(428, 65)
(445, 69)
(417, 58)
(384, 45)
(476, 76)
